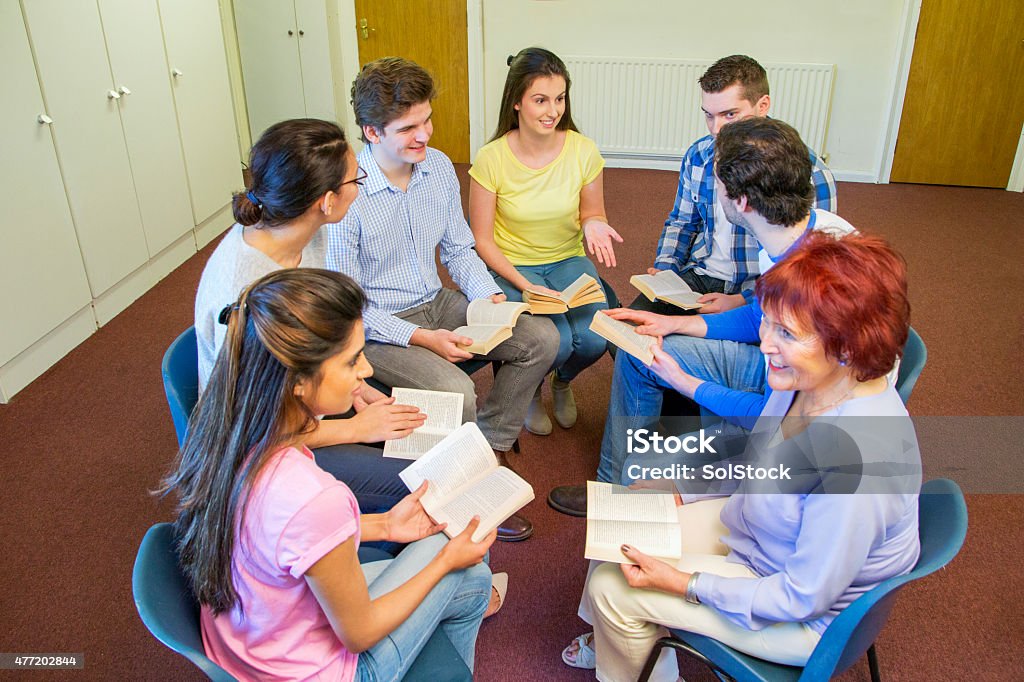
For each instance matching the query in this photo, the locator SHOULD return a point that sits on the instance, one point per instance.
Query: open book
(466, 481)
(624, 335)
(489, 323)
(669, 287)
(583, 291)
(645, 519)
(444, 415)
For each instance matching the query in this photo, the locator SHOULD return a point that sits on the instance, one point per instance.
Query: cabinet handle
(44, 120)
(177, 73)
(301, 32)
(291, 32)
(113, 94)
(124, 91)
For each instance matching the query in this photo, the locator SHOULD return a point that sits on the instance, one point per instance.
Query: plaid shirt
(387, 242)
(689, 231)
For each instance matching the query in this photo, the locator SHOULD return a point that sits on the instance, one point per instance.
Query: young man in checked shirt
(714, 256)
(410, 205)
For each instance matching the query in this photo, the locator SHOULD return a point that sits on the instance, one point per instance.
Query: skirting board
(672, 164)
(214, 226)
(27, 365)
(124, 293)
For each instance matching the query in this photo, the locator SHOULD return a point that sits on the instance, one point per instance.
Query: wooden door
(41, 271)
(964, 104)
(71, 58)
(431, 33)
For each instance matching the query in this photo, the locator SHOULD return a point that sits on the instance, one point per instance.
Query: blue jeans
(456, 605)
(371, 477)
(578, 347)
(637, 391)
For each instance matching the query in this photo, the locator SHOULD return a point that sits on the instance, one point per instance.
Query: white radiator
(651, 107)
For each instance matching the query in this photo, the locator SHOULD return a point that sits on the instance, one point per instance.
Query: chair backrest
(942, 524)
(180, 369)
(165, 603)
(914, 356)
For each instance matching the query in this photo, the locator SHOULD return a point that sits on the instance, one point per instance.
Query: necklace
(825, 408)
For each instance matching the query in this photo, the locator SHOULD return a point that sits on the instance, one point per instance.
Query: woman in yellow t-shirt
(536, 190)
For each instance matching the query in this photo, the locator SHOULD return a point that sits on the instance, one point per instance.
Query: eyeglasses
(359, 179)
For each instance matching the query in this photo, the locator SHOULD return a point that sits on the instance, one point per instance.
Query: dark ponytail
(280, 332)
(292, 164)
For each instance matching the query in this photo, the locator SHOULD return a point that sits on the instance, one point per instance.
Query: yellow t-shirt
(537, 220)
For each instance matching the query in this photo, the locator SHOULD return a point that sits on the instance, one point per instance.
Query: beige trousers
(628, 621)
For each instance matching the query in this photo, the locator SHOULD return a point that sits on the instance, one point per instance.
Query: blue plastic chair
(942, 525)
(169, 611)
(915, 355)
(180, 370)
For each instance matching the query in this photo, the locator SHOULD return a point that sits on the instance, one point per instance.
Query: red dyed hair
(851, 291)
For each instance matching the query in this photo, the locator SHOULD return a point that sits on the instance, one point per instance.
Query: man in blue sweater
(762, 179)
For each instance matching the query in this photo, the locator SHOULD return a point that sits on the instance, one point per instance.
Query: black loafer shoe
(514, 529)
(569, 499)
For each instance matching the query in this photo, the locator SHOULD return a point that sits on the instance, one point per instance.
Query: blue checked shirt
(688, 234)
(387, 241)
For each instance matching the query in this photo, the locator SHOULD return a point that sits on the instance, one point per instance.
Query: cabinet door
(72, 61)
(136, 49)
(315, 54)
(202, 97)
(41, 271)
(268, 43)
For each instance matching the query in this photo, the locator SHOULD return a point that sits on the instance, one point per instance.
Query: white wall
(861, 37)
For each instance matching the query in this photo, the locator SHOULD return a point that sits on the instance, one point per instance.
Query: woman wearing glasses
(303, 176)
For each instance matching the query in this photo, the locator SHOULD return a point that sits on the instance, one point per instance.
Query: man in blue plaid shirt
(713, 256)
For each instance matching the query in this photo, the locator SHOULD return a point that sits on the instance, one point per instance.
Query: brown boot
(515, 528)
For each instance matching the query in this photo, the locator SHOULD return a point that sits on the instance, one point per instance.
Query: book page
(443, 409)
(609, 502)
(646, 520)
(444, 414)
(574, 289)
(484, 312)
(462, 457)
(493, 498)
(415, 445)
(624, 335)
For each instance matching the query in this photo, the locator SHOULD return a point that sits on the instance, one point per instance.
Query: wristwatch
(691, 595)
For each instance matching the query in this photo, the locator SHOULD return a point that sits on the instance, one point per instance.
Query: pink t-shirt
(296, 514)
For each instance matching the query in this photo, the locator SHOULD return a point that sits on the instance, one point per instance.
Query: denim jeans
(578, 347)
(371, 477)
(525, 359)
(456, 605)
(637, 391)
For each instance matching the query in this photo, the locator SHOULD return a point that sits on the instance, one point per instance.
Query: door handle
(113, 94)
(364, 28)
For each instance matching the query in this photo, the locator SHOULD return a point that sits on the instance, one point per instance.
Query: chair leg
(876, 675)
(674, 643)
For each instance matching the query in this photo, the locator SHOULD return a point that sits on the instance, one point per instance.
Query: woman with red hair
(766, 569)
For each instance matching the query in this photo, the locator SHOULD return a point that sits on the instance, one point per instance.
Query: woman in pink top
(269, 540)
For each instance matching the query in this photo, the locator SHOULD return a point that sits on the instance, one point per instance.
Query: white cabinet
(202, 95)
(139, 67)
(67, 38)
(112, 168)
(286, 62)
(41, 272)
